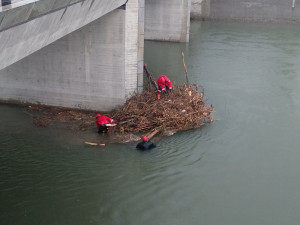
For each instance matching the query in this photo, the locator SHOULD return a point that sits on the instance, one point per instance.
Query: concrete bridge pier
(96, 67)
(167, 20)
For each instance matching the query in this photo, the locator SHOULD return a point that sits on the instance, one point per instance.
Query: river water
(242, 169)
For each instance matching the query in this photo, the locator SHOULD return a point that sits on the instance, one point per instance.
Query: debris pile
(181, 109)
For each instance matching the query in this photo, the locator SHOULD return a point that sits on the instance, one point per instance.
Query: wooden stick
(150, 76)
(93, 144)
(186, 73)
(151, 135)
(110, 124)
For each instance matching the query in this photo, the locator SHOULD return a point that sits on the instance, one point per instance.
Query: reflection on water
(243, 169)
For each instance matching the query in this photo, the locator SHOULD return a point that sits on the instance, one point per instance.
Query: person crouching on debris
(102, 122)
(164, 84)
(145, 144)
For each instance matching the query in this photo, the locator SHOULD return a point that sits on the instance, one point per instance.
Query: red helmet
(144, 138)
(98, 115)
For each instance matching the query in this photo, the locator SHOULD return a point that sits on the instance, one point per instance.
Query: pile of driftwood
(181, 109)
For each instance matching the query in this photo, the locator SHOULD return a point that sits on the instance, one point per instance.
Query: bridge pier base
(96, 67)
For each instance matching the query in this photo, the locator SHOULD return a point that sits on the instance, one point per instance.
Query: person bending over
(164, 84)
(102, 121)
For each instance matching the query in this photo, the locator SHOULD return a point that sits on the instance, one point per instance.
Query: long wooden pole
(186, 73)
(152, 134)
(93, 144)
(150, 76)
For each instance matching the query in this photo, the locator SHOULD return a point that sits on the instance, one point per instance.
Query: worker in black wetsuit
(145, 144)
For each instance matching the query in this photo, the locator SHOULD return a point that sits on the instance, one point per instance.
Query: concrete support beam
(97, 67)
(167, 20)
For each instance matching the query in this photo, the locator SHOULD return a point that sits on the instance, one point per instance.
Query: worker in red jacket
(102, 121)
(164, 84)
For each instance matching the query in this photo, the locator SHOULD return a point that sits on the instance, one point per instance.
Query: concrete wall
(96, 67)
(30, 27)
(167, 20)
(200, 9)
(281, 11)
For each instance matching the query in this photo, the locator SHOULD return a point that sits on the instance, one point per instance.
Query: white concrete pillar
(134, 45)
(167, 20)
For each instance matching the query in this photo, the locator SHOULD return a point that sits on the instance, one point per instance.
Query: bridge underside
(30, 27)
(85, 69)
(67, 57)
